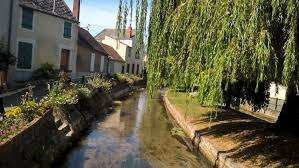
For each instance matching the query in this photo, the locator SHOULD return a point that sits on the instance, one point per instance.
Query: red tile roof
(90, 40)
(113, 34)
(112, 53)
(46, 6)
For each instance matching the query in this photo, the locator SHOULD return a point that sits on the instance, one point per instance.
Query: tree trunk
(289, 115)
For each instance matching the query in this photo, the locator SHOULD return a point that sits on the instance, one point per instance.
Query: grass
(243, 138)
(190, 106)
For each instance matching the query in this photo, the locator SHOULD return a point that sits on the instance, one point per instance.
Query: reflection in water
(136, 135)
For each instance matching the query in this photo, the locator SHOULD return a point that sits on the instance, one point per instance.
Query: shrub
(82, 90)
(46, 71)
(98, 82)
(9, 127)
(128, 78)
(120, 77)
(60, 95)
(13, 112)
(29, 107)
(64, 77)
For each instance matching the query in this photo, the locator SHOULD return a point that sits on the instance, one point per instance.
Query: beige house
(115, 61)
(46, 32)
(91, 57)
(125, 47)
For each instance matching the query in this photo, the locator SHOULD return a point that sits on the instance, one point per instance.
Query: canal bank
(49, 136)
(209, 150)
(230, 138)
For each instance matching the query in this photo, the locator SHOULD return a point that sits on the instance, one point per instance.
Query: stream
(136, 134)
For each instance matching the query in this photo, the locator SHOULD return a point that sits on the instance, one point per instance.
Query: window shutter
(67, 30)
(27, 18)
(24, 55)
(92, 59)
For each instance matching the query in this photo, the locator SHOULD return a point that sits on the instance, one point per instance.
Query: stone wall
(49, 136)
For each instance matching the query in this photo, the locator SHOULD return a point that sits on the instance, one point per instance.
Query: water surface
(136, 134)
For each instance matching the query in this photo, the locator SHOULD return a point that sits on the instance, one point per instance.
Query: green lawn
(189, 105)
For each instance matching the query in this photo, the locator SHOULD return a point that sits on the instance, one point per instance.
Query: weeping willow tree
(126, 9)
(214, 44)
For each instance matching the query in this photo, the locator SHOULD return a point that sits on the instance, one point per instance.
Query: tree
(222, 46)
(6, 59)
(216, 44)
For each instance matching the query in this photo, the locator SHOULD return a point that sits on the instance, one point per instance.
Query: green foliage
(83, 91)
(9, 127)
(6, 58)
(29, 107)
(14, 112)
(211, 43)
(98, 82)
(59, 95)
(128, 78)
(120, 77)
(64, 77)
(46, 71)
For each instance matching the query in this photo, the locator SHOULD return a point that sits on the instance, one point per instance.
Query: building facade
(115, 61)
(91, 57)
(46, 32)
(125, 46)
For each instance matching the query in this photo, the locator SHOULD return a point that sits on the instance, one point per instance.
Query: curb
(216, 157)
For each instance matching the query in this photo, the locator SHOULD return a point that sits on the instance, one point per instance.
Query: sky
(99, 14)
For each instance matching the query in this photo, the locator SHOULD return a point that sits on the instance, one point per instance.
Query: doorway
(64, 60)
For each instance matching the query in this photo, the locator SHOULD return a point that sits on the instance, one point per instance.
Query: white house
(125, 47)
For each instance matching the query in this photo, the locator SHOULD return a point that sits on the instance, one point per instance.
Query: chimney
(130, 31)
(76, 9)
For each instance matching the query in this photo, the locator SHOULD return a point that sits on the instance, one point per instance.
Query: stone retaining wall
(215, 156)
(49, 136)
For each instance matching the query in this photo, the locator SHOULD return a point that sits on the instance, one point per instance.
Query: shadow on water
(137, 134)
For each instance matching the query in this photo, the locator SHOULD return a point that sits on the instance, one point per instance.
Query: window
(92, 59)
(129, 51)
(128, 68)
(137, 69)
(133, 68)
(67, 30)
(27, 18)
(123, 69)
(102, 63)
(24, 55)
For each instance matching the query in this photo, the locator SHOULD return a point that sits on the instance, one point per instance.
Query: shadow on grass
(259, 141)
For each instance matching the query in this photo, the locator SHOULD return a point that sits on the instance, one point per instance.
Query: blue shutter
(67, 30)
(27, 18)
(24, 55)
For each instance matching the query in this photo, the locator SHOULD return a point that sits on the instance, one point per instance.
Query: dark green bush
(46, 71)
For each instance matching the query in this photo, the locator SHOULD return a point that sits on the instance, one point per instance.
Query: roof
(113, 34)
(112, 53)
(46, 6)
(90, 40)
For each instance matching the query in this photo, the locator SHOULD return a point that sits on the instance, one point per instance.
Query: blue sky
(99, 14)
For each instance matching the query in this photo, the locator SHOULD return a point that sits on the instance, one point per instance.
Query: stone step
(70, 133)
(64, 128)
(58, 122)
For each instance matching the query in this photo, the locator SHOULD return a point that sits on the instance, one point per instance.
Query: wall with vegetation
(46, 138)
